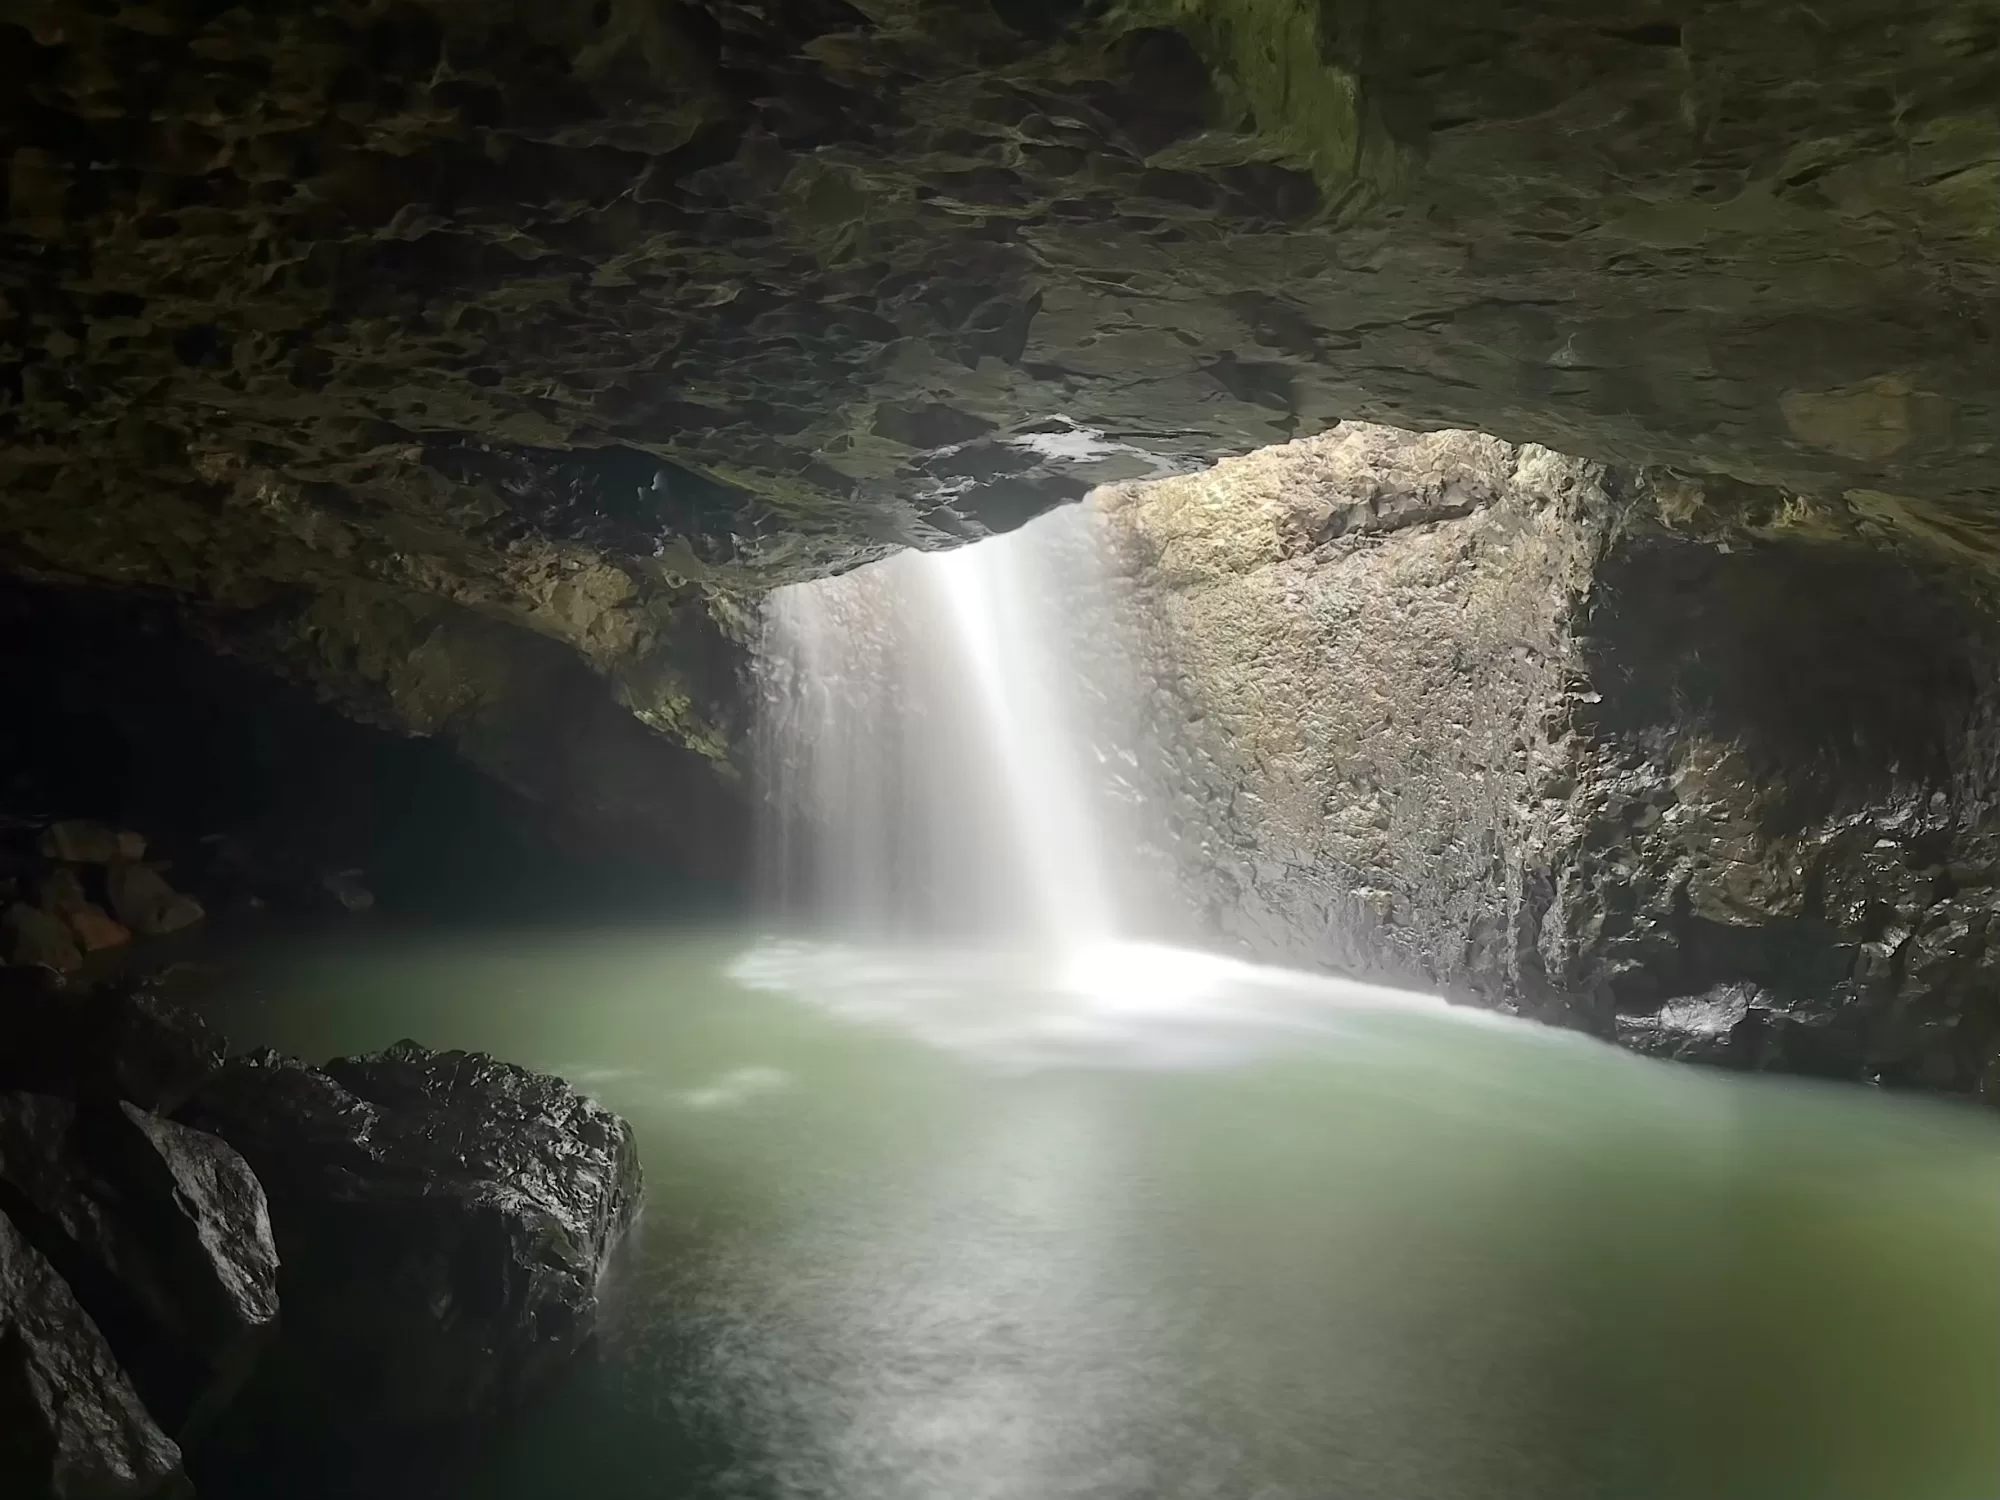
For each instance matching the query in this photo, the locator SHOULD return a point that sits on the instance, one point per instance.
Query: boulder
(61, 891)
(443, 1220)
(73, 1426)
(31, 937)
(145, 902)
(96, 929)
(86, 842)
(162, 1234)
(107, 1045)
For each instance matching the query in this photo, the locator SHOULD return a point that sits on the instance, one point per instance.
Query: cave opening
(1129, 918)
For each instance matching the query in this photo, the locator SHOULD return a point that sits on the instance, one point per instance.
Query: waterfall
(934, 736)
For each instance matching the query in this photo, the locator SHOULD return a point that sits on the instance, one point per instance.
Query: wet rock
(82, 841)
(1698, 765)
(145, 902)
(30, 936)
(73, 1426)
(162, 1234)
(105, 1045)
(442, 1218)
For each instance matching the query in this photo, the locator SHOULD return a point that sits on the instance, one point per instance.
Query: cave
(872, 751)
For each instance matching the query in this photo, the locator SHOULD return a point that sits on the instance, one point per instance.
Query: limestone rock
(31, 937)
(443, 1220)
(1693, 765)
(75, 1427)
(145, 902)
(162, 1234)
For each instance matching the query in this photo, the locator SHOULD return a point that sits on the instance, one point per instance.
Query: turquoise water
(1147, 1225)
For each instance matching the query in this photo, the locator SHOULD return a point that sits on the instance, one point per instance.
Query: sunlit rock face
(412, 336)
(1699, 766)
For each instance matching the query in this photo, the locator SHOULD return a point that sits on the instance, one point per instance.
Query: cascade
(934, 733)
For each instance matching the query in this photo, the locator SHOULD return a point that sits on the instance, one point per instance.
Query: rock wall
(413, 335)
(1706, 767)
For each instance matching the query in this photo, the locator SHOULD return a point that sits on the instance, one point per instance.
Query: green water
(955, 1227)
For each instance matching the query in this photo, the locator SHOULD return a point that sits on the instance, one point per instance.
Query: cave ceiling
(574, 316)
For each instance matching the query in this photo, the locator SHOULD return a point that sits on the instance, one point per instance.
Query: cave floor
(928, 1225)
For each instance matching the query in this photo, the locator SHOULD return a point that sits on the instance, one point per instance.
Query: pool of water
(1147, 1225)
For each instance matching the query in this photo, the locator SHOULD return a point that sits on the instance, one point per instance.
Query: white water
(930, 747)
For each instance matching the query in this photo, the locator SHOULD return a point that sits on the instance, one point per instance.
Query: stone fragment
(73, 1427)
(145, 902)
(442, 1218)
(30, 936)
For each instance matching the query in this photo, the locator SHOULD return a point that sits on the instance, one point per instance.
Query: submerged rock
(443, 1220)
(74, 1428)
(160, 1231)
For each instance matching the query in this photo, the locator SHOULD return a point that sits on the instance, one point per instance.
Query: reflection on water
(1153, 1225)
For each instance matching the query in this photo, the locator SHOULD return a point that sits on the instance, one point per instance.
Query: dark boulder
(33, 938)
(162, 1234)
(105, 1045)
(71, 1426)
(443, 1221)
(145, 902)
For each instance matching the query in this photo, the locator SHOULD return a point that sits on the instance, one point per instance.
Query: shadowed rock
(160, 1231)
(443, 1220)
(71, 1426)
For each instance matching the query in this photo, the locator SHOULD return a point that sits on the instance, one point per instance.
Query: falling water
(932, 751)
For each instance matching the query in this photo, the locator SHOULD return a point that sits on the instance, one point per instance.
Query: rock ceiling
(379, 327)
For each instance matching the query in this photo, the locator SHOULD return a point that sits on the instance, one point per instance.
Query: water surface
(1145, 1225)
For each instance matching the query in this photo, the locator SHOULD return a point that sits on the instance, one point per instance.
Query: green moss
(1276, 61)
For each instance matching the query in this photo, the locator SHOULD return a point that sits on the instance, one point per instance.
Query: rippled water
(1151, 1225)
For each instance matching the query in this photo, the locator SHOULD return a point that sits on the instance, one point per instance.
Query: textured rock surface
(160, 1231)
(443, 1220)
(1698, 765)
(438, 351)
(74, 1428)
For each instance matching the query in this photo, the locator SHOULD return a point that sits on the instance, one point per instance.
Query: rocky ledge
(199, 1255)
